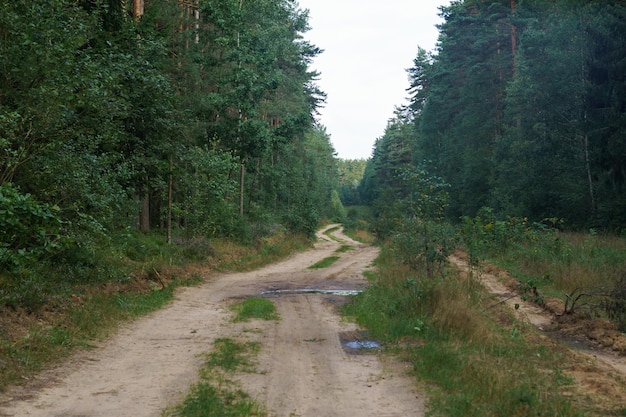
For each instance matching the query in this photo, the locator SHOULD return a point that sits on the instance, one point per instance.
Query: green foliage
(29, 229)
(517, 110)
(106, 120)
(351, 173)
(424, 245)
(205, 182)
(485, 235)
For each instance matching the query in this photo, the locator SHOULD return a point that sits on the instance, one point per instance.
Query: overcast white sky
(368, 45)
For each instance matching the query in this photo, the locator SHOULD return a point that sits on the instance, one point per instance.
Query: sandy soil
(304, 371)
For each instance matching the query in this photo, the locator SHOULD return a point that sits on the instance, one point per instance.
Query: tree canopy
(521, 109)
(198, 116)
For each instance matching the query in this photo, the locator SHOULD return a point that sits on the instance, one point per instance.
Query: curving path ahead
(151, 363)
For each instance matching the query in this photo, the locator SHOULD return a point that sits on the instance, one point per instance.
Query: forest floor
(302, 369)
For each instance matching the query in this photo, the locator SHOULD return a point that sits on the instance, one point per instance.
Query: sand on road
(151, 363)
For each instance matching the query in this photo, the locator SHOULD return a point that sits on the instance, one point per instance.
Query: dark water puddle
(361, 344)
(312, 291)
(358, 342)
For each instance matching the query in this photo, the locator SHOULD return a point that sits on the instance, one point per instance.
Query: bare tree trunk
(242, 172)
(514, 41)
(170, 187)
(144, 216)
(592, 198)
(138, 8)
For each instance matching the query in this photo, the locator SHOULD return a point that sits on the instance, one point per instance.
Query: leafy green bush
(29, 229)
(302, 218)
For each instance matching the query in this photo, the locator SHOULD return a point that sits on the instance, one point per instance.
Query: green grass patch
(325, 263)
(475, 361)
(231, 355)
(332, 230)
(217, 395)
(255, 307)
(344, 248)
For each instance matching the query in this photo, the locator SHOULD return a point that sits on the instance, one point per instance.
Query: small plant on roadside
(530, 289)
(231, 355)
(424, 245)
(615, 303)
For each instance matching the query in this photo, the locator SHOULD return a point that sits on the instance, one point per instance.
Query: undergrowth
(586, 271)
(475, 361)
(241, 257)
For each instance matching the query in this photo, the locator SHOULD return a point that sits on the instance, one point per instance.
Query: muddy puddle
(311, 291)
(358, 343)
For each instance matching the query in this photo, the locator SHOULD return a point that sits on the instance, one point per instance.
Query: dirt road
(305, 372)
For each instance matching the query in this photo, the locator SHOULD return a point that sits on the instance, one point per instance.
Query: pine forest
(196, 120)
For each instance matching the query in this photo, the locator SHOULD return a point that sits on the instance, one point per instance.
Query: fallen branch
(156, 273)
(501, 301)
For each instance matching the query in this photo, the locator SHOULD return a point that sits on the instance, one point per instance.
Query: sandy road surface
(152, 362)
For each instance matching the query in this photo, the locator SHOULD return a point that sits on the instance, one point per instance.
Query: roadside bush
(302, 218)
(425, 245)
(27, 291)
(29, 229)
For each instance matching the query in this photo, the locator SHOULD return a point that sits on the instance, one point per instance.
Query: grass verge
(585, 271)
(234, 256)
(475, 361)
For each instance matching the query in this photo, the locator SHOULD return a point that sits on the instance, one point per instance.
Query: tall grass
(476, 361)
(587, 271)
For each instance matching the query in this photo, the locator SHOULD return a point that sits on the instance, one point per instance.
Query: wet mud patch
(358, 343)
